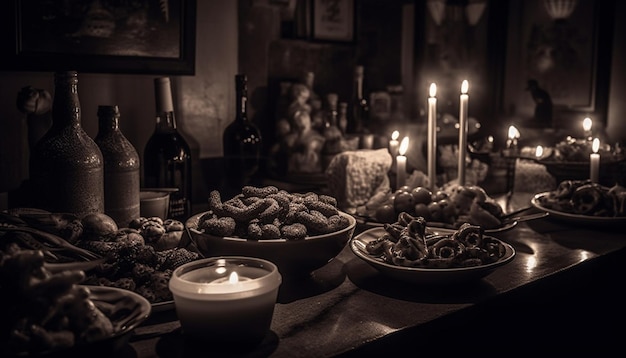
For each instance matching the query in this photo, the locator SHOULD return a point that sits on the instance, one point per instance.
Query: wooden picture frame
(140, 37)
(568, 56)
(333, 20)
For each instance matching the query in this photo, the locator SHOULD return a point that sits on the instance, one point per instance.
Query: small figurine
(543, 107)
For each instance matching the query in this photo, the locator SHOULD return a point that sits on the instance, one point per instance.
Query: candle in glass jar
(463, 108)
(401, 163)
(594, 161)
(226, 299)
(432, 136)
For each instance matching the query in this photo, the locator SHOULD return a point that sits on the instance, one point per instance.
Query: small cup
(214, 306)
(154, 203)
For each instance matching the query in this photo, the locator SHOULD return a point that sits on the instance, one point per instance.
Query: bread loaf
(356, 176)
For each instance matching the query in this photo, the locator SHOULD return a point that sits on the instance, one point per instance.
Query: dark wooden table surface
(561, 293)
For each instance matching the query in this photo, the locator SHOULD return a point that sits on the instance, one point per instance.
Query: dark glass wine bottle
(359, 121)
(66, 165)
(167, 156)
(241, 142)
(121, 168)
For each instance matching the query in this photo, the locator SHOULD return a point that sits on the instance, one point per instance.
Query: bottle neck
(242, 99)
(66, 104)
(165, 118)
(108, 119)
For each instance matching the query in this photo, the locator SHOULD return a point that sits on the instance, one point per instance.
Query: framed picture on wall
(101, 36)
(333, 20)
(563, 47)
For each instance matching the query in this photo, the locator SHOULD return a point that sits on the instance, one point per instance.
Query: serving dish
(125, 309)
(293, 257)
(419, 275)
(577, 219)
(369, 223)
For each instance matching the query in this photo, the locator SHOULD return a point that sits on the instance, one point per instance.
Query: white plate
(577, 218)
(419, 275)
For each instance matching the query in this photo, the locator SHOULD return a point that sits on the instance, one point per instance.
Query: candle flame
(587, 123)
(233, 278)
(490, 139)
(433, 90)
(404, 146)
(513, 133)
(395, 135)
(595, 146)
(464, 87)
(539, 151)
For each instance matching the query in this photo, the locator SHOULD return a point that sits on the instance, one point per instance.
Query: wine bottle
(359, 122)
(66, 165)
(167, 156)
(241, 142)
(121, 168)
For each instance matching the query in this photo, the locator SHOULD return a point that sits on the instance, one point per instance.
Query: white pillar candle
(401, 163)
(432, 136)
(393, 149)
(594, 162)
(463, 130)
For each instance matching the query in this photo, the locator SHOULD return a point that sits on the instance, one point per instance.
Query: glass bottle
(167, 156)
(342, 121)
(241, 142)
(332, 133)
(121, 168)
(66, 166)
(359, 121)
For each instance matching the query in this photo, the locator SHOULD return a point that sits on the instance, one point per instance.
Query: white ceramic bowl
(293, 257)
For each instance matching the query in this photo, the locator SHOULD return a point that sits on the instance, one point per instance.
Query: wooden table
(561, 293)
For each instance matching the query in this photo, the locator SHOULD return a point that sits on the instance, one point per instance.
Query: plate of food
(411, 254)
(584, 202)
(448, 208)
(138, 258)
(53, 313)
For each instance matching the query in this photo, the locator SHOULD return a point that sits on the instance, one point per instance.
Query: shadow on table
(319, 281)
(176, 344)
(368, 278)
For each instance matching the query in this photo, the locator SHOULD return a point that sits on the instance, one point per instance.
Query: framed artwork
(333, 20)
(101, 36)
(563, 48)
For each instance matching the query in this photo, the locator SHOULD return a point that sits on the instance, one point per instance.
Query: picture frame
(568, 56)
(333, 20)
(139, 37)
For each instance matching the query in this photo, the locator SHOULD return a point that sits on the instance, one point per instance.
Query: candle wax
(594, 167)
(432, 142)
(462, 137)
(401, 171)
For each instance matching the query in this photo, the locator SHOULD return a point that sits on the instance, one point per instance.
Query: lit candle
(513, 136)
(432, 136)
(226, 299)
(393, 144)
(587, 124)
(539, 152)
(594, 161)
(463, 131)
(401, 163)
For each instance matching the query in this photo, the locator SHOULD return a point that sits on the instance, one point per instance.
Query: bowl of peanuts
(299, 232)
